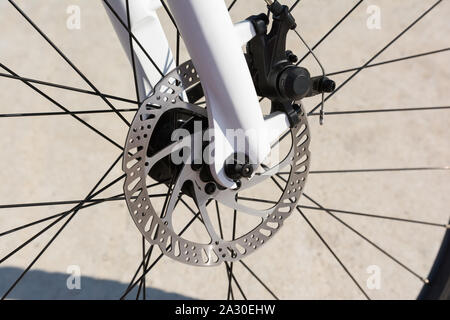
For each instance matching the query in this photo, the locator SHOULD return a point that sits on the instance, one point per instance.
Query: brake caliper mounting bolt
(291, 56)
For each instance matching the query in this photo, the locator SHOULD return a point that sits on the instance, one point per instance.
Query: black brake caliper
(273, 68)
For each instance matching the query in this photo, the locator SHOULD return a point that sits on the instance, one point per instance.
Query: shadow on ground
(43, 285)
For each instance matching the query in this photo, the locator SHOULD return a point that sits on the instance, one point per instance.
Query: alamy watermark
(374, 20)
(73, 282)
(374, 280)
(73, 21)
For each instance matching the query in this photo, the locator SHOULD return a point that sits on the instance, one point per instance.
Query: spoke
(230, 267)
(133, 37)
(157, 259)
(62, 55)
(294, 5)
(62, 216)
(148, 255)
(62, 113)
(134, 282)
(142, 285)
(170, 15)
(230, 293)
(91, 203)
(331, 30)
(383, 110)
(444, 168)
(64, 109)
(196, 216)
(232, 5)
(321, 113)
(376, 216)
(144, 263)
(57, 203)
(389, 61)
(258, 279)
(177, 61)
(324, 242)
(230, 272)
(60, 86)
(424, 280)
(64, 213)
(334, 255)
(377, 54)
(382, 170)
(76, 209)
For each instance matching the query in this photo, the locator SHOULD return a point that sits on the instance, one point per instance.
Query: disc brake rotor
(157, 229)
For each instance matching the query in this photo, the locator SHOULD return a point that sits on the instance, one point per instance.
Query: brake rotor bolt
(210, 188)
(247, 170)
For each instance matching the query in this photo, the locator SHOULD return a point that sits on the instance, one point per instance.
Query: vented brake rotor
(139, 161)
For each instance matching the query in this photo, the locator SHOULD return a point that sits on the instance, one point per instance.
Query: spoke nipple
(426, 281)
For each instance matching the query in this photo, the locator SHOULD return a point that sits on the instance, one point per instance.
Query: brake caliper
(273, 68)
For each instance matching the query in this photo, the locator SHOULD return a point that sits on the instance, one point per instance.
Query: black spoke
(258, 279)
(177, 61)
(64, 213)
(325, 243)
(144, 264)
(148, 255)
(62, 113)
(331, 30)
(142, 285)
(231, 276)
(57, 203)
(76, 209)
(389, 61)
(64, 108)
(60, 86)
(232, 5)
(145, 261)
(354, 213)
(424, 280)
(131, 286)
(170, 15)
(230, 272)
(346, 112)
(133, 37)
(382, 170)
(374, 170)
(362, 214)
(230, 267)
(91, 203)
(62, 55)
(61, 216)
(377, 54)
(294, 5)
(219, 220)
(230, 293)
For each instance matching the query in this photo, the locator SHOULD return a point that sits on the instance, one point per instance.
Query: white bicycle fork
(215, 47)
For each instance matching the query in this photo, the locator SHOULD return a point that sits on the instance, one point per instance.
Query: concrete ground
(57, 158)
